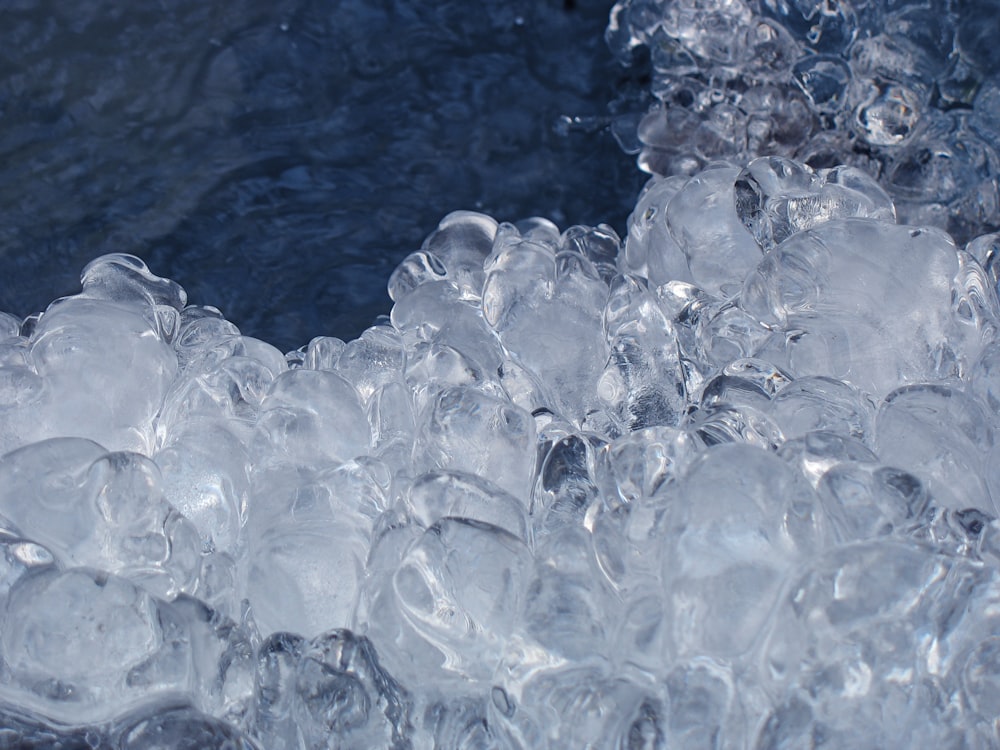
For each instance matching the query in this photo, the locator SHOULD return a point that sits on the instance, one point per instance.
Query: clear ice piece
(105, 510)
(462, 242)
(580, 706)
(777, 197)
(566, 485)
(123, 278)
(650, 249)
(206, 476)
(294, 578)
(567, 610)
(642, 384)
(76, 645)
(459, 590)
(866, 500)
(891, 323)
(106, 370)
(702, 220)
(737, 523)
(343, 695)
(443, 494)
(183, 729)
(436, 313)
(416, 269)
(311, 417)
(641, 464)
(372, 360)
(528, 286)
(851, 646)
(819, 403)
(824, 79)
(944, 437)
(463, 429)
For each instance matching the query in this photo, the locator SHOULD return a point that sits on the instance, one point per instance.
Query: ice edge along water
(730, 483)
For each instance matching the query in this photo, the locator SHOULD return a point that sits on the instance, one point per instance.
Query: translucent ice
(730, 485)
(865, 301)
(105, 510)
(901, 91)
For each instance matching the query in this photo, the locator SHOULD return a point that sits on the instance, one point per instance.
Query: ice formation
(908, 91)
(730, 483)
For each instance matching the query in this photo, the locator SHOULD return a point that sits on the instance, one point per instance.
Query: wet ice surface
(280, 157)
(906, 91)
(572, 492)
(728, 483)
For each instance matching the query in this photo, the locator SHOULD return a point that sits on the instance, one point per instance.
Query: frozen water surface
(729, 482)
(548, 502)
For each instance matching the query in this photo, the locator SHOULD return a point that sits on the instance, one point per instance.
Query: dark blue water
(279, 157)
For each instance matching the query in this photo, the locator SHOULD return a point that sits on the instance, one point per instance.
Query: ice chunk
(230, 389)
(461, 722)
(943, 436)
(745, 382)
(856, 642)
(293, 577)
(457, 594)
(437, 312)
(328, 689)
(737, 523)
(105, 510)
(711, 333)
(312, 418)
(105, 369)
(442, 494)
(416, 269)
(816, 452)
(702, 220)
(183, 729)
(777, 197)
(650, 249)
(639, 465)
(372, 360)
(206, 476)
(461, 242)
(819, 403)
(607, 710)
(866, 500)
(566, 485)
(643, 384)
(464, 429)
(891, 322)
(528, 285)
(77, 643)
(432, 367)
(567, 608)
(825, 80)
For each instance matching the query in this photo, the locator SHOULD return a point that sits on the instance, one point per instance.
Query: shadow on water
(279, 158)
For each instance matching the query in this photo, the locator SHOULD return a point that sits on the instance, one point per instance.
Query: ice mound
(907, 91)
(730, 483)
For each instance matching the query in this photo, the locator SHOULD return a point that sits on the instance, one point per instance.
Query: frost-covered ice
(907, 91)
(730, 483)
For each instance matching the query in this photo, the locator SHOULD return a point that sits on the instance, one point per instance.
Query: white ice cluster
(729, 484)
(909, 91)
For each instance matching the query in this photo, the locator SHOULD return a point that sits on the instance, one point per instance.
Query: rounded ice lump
(729, 483)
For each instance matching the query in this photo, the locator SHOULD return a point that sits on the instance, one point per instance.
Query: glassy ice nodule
(904, 92)
(730, 483)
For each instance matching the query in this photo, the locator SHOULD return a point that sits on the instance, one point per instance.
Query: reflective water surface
(279, 157)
